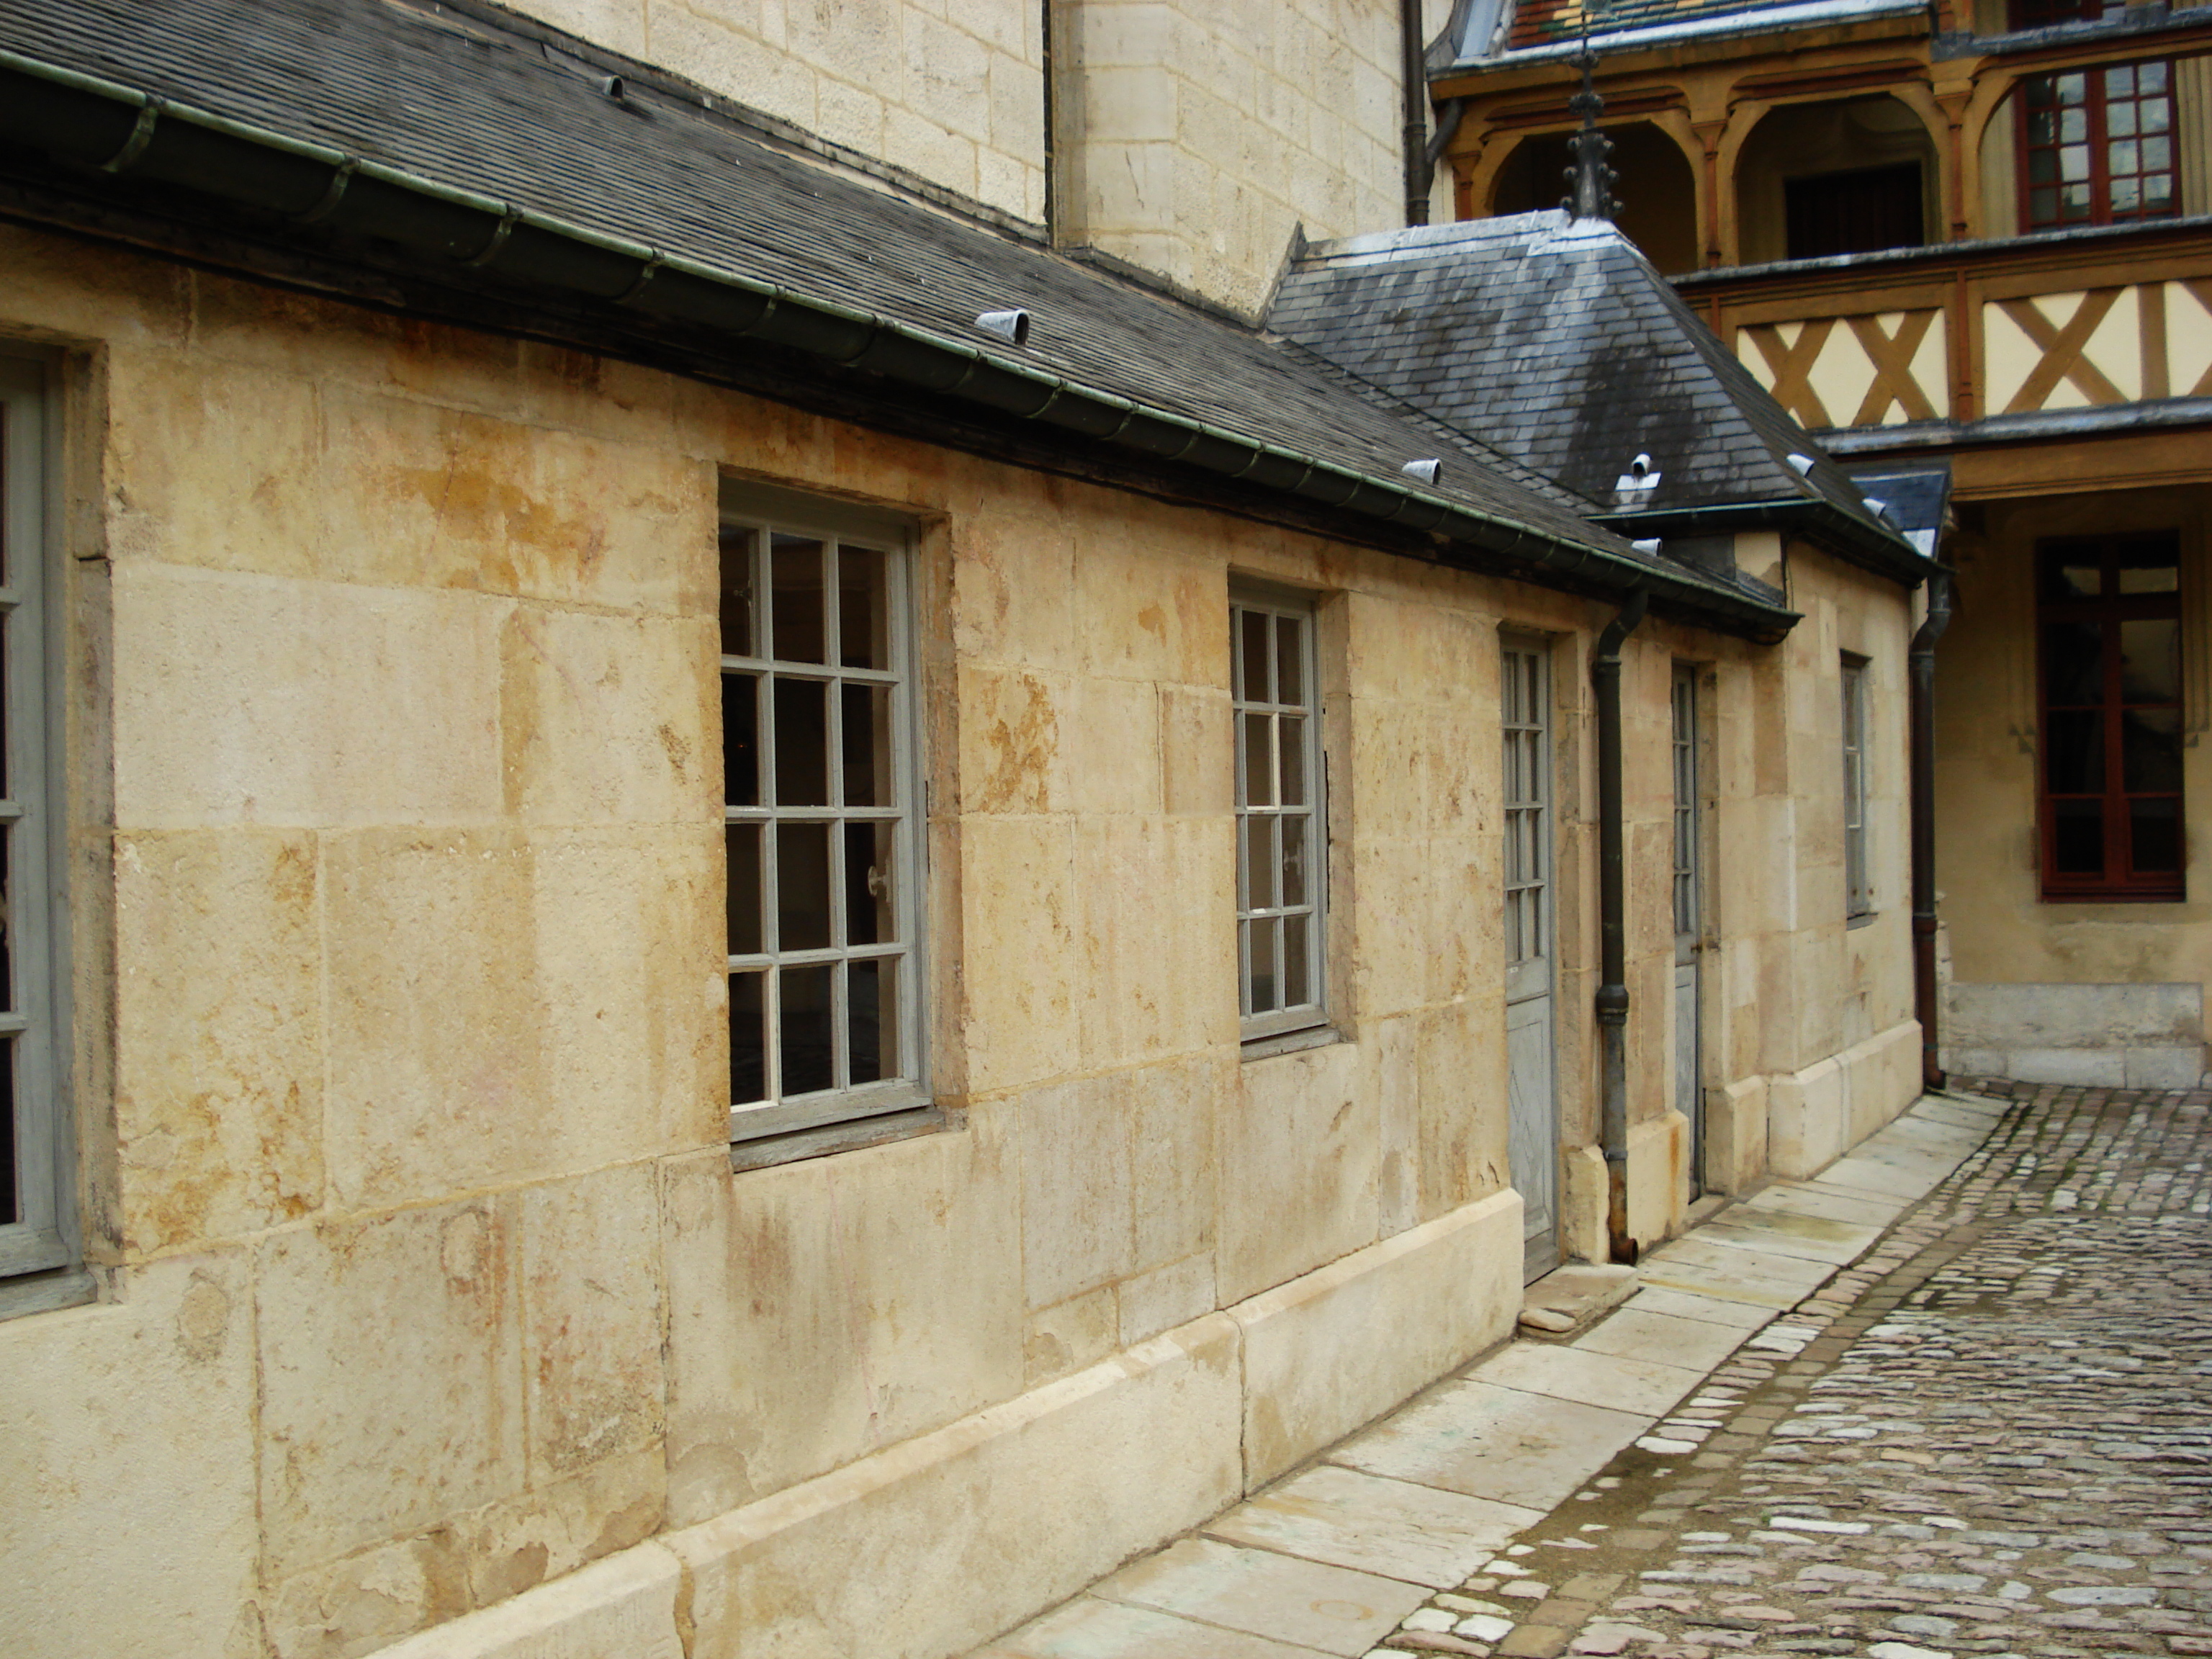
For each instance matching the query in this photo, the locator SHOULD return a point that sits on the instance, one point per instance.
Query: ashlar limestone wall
(427, 1290)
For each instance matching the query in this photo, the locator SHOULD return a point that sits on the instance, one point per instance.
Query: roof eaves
(114, 130)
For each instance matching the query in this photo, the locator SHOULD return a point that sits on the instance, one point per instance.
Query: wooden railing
(1964, 332)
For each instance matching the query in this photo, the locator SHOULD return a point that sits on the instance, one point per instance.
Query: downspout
(1051, 126)
(1921, 665)
(1415, 73)
(1612, 933)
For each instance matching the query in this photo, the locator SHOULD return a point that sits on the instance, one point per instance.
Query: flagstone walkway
(1401, 1538)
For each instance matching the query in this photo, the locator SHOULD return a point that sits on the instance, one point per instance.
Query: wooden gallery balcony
(2086, 334)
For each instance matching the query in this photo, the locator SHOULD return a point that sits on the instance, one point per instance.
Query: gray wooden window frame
(40, 1261)
(1858, 879)
(1525, 732)
(1253, 817)
(769, 511)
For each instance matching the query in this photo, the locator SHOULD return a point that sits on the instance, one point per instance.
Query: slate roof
(450, 95)
(1563, 347)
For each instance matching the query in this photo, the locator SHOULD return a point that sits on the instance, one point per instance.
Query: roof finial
(1591, 178)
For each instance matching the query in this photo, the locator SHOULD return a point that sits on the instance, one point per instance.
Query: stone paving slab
(1394, 1528)
(1496, 1443)
(1809, 1237)
(1645, 1332)
(1824, 1203)
(1592, 1376)
(1738, 1316)
(1088, 1628)
(1283, 1598)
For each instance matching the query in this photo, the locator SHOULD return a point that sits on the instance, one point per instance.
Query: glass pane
(802, 743)
(2122, 155)
(2157, 155)
(803, 1029)
(741, 740)
(1296, 989)
(740, 603)
(796, 612)
(2150, 751)
(2158, 193)
(1259, 765)
(1289, 661)
(2150, 78)
(2156, 114)
(802, 887)
(2072, 89)
(2073, 753)
(2078, 837)
(871, 1021)
(2154, 837)
(867, 744)
(2120, 81)
(1264, 985)
(1294, 858)
(868, 896)
(2120, 120)
(2146, 567)
(2042, 127)
(748, 1039)
(744, 849)
(1260, 860)
(2151, 660)
(1291, 734)
(864, 608)
(2071, 570)
(2073, 664)
(1252, 682)
(2042, 206)
(2124, 196)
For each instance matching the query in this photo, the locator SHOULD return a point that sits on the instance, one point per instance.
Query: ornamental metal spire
(1591, 178)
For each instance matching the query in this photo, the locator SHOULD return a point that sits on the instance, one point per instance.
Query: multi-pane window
(2109, 616)
(820, 794)
(1523, 696)
(1687, 923)
(1858, 883)
(35, 1231)
(1282, 850)
(2097, 146)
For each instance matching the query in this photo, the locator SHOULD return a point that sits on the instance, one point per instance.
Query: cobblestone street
(1992, 1434)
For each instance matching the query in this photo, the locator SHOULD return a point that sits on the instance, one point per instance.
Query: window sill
(851, 1135)
(66, 1287)
(1291, 1042)
(1864, 919)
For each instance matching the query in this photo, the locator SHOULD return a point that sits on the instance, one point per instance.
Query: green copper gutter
(104, 127)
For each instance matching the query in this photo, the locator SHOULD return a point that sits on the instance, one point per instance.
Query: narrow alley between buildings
(1990, 1433)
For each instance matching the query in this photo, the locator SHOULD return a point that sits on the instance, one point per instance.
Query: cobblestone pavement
(1991, 1435)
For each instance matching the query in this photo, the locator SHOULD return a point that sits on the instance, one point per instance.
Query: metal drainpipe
(1417, 111)
(1612, 933)
(1922, 662)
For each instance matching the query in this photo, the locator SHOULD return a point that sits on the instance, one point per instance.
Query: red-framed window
(2097, 146)
(2108, 616)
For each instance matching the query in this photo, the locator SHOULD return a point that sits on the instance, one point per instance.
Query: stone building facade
(1974, 240)
(648, 1015)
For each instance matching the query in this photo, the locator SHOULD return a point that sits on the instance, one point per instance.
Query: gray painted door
(1689, 920)
(1532, 1122)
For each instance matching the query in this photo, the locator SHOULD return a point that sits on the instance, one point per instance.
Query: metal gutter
(1921, 667)
(115, 130)
(1855, 540)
